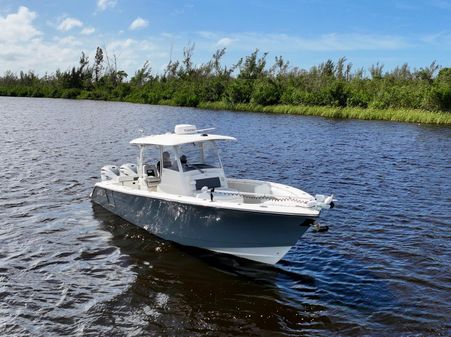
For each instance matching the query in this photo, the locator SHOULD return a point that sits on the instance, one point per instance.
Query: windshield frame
(208, 156)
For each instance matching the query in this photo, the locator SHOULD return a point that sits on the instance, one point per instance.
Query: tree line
(252, 80)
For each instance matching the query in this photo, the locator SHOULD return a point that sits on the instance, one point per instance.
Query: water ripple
(68, 267)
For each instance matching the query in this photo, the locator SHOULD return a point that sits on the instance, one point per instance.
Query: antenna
(203, 130)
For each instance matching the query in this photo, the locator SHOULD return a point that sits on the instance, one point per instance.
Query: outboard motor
(109, 172)
(128, 170)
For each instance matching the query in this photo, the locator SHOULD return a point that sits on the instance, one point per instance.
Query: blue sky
(46, 35)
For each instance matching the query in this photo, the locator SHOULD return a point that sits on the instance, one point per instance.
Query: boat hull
(256, 236)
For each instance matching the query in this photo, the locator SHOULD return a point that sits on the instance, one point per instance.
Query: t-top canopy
(178, 138)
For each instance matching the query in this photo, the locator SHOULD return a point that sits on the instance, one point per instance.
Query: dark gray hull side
(204, 227)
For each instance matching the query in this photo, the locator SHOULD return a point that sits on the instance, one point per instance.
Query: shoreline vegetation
(331, 89)
(394, 115)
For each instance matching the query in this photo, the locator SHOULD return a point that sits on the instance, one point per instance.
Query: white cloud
(41, 56)
(131, 53)
(440, 39)
(207, 35)
(69, 23)
(18, 26)
(353, 41)
(69, 41)
(138, 23)
(278, 43)
(224, 42)
(23, 46)
(87, 31)
(118, 45)
(105, 4)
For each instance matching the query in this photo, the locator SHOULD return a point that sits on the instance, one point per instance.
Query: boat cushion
(209, 182)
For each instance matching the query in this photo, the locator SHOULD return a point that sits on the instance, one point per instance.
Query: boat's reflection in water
(194, 290)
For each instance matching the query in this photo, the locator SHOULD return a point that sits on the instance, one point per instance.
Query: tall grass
(398, 115)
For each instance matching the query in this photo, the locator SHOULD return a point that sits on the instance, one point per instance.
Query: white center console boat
(179, 192)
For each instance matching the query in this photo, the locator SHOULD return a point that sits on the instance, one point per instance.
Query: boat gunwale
(191, 200)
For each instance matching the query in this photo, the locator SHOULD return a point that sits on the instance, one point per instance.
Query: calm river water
(68, 267)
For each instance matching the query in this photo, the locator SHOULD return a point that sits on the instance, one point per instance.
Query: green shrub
(71, 93)
(239, 91)
(121, 91)
(37, 92)
(295, 96)
(186, 96)
(439, 98)
(265, 92)
(358, 100)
